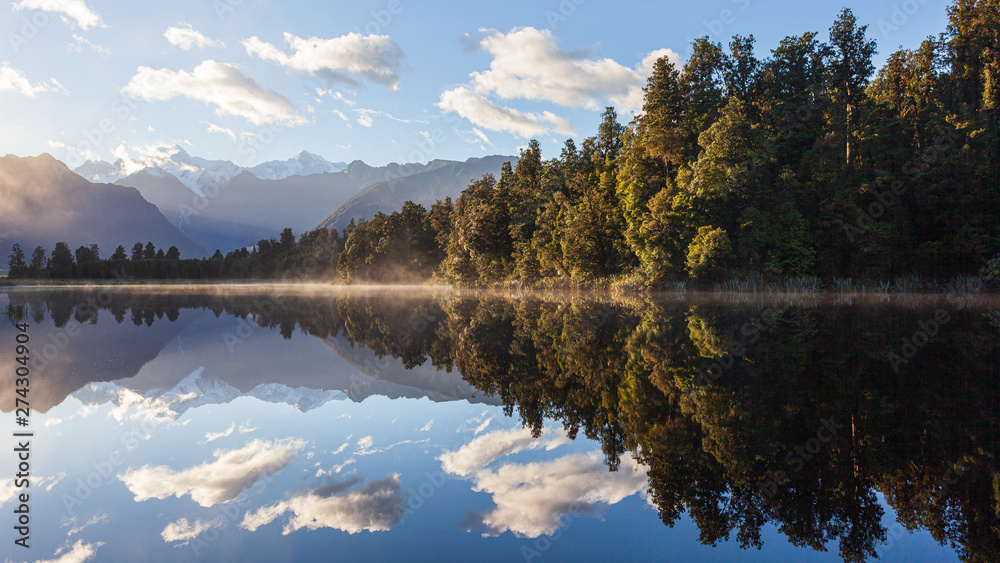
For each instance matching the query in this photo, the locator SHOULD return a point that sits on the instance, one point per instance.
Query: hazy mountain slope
(443, 179)
(248, 208)
(43, 202)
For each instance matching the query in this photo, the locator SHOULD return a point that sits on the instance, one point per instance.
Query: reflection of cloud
(365, 446)
(427, 426)
(213, 436)
(8, 491)
(532, 498)
(481, 451)
(376, 507)
(79, 553)
(98, 518)
(222, 480)
(184, 531)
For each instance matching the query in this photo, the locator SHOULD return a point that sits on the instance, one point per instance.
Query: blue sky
(379, 80)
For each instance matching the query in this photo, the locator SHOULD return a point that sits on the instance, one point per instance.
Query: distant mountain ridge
(199, 173)
(42, 202)
(224, 206)
(445, 179)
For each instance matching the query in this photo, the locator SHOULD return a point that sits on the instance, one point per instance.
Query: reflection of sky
(252, 478)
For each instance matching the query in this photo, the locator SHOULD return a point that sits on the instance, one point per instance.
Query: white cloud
(484, 449)
(482, 136)
(184, 531)
(210, 483)
(213, 436)
(186, 38)
(377, 58)
(489, 115)
(213, 128)
(75, 10)
(13, 80)
(376, 507)
(219, 84)
(529, 64)
(81, 41)
(79, 553)
(364, 117)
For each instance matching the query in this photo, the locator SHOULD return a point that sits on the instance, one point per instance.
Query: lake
(280, 423)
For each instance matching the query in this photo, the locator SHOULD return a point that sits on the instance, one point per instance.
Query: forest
(805, 163)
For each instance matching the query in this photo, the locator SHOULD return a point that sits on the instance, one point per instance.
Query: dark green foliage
(61, 262)
(16, 266)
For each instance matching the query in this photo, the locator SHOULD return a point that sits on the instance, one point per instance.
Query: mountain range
(43, 202)
(221, 205)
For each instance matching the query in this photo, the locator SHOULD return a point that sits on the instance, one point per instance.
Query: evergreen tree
(850, 68)
(61, 263)
(38, 262)
(16, 267)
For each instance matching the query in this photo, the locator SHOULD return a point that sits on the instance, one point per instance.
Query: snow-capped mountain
(199, 174)
(302, 164)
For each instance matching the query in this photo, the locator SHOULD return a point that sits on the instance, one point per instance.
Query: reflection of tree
(736, 452)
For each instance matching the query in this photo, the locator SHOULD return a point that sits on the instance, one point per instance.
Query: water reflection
(806, 415)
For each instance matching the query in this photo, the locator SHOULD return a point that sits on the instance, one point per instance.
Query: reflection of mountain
(78, 350)
(199, 389)
(420, 381)
(200, 358)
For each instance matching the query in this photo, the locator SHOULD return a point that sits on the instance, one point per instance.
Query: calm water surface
(274, 425)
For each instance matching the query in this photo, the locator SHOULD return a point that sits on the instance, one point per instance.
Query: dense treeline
(803, 163)
(313, 256)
